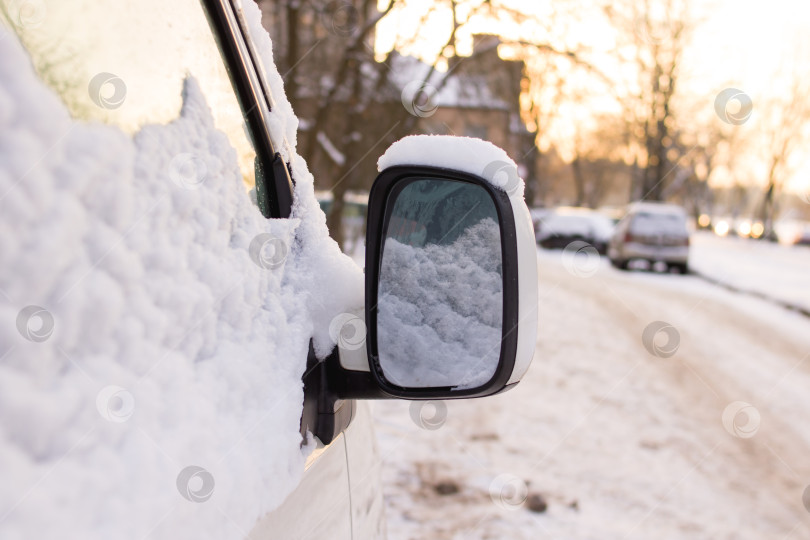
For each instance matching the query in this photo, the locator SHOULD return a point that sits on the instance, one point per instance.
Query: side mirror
(451, 285)
(451, 271)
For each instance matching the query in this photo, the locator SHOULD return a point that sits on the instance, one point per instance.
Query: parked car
(652, 232)
(564, 225)
(148, 162)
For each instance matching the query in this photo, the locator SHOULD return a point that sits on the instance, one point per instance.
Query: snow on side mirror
(451, 270)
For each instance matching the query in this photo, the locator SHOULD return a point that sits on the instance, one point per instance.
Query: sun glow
(734, 44)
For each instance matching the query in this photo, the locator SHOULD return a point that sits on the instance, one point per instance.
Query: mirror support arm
(330, 392)
(324, 415)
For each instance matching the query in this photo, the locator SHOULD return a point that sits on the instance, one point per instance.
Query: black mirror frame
(378, 217)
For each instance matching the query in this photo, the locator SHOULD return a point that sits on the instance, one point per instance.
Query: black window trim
(323, 413)
(272, 174)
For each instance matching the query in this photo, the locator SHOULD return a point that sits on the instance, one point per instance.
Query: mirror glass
(440, 291)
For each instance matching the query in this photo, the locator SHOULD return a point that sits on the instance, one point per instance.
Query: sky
(749, 45)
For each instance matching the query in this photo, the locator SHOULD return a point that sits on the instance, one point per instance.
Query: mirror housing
(350, 372)
(519, 274)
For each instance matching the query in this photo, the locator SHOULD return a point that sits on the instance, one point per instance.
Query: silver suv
(652, 232)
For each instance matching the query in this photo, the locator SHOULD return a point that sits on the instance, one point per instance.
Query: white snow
(622, 444)
(320, 255)
(170, 347)
(444, 89)
(467, 154)
(776, 271)
(440, 310)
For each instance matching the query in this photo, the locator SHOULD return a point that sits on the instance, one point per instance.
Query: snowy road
(619, 442)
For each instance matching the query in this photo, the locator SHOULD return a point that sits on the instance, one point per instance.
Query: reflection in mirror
(440, 293)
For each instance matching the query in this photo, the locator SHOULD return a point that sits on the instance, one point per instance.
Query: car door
(364, 464)
(320, 506)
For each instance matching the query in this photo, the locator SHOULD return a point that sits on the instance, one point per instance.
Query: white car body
(340, 495)
(229, 406)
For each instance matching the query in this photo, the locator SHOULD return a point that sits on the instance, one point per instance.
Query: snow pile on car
(152, 356)
(318, 255)
(467, 154)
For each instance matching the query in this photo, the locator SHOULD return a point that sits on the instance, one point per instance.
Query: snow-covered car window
(125, 63)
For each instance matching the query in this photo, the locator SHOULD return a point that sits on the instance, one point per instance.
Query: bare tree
(785, 126)
(347, 99)
(325, 52)
(598, 165)
(549, 72)
(656, 32)
(696, 153)
(347, 96)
